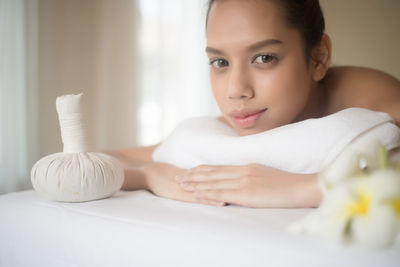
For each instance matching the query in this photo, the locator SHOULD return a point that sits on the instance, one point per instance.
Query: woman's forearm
(134, 171)
(252, 185)
(307, 192)
(135, 179)
(293, 190)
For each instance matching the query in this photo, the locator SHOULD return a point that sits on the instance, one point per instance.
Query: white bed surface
(139, 229)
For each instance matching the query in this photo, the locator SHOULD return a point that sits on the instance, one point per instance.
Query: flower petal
(379, 228)
(361, 154)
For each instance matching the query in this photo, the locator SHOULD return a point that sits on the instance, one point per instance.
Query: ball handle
(72, 123)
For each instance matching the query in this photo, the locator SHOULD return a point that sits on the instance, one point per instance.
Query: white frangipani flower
(360, 205)
(368, 208)
(358, 158)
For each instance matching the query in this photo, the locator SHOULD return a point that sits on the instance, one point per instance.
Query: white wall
(88, 46)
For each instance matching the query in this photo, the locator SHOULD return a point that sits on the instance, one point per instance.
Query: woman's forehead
(245, 22)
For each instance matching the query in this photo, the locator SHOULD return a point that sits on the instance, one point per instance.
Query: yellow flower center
(396, 205)
(360, 206)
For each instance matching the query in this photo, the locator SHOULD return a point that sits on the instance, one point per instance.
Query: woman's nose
(239, 85)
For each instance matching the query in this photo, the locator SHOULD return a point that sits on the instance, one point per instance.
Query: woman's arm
(133, 160)
(159, 178)
(138, 154)
(253, 185)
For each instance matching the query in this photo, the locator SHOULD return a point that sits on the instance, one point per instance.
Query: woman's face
(258, 70)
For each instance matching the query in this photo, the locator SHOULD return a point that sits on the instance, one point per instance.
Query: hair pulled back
(304, 15)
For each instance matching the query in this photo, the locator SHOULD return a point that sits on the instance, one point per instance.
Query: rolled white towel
(303, 147)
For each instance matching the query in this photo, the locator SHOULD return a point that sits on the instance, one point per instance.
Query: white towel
(303, 147)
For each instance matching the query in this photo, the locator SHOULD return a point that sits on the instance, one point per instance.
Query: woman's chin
(249, 131)
(243, 130)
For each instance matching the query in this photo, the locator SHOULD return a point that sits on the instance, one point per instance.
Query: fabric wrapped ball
(77, 177)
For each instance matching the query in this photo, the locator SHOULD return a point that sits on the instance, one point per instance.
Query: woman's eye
(219, 63)
(263, 59)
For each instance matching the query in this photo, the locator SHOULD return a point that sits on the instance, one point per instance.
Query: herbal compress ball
(76, 175)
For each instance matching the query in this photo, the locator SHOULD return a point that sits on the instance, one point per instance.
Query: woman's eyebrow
(213, 51)
(253, 47)
(263, 43)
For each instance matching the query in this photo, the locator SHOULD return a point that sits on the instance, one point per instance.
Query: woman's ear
(321, 58)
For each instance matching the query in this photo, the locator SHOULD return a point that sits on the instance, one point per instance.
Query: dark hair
(304, 15)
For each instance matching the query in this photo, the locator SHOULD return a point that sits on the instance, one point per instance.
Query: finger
(205, 167)
(224, 195)
(216, 173)
(210, 202)
(198, 169)
(212, 185)
(191, 198)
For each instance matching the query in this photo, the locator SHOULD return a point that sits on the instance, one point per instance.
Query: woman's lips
(246, 118)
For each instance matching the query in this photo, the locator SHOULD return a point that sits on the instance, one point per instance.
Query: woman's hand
(161, 180)
(252, 185)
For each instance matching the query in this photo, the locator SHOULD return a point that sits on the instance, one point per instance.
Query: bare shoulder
(363, 87)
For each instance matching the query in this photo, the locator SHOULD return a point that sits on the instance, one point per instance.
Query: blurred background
(141, 66)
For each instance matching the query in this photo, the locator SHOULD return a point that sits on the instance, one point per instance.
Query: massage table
(137, 228)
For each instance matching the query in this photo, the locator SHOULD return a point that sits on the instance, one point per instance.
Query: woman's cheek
(218, 87)
(279, 90)
(271, 87)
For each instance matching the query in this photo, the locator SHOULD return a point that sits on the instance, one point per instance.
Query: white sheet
(139, 229)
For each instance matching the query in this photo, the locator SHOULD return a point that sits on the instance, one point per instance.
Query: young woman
(269, 66)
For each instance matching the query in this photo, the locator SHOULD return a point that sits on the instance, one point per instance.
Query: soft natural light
(14, 169)
(173, 67)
